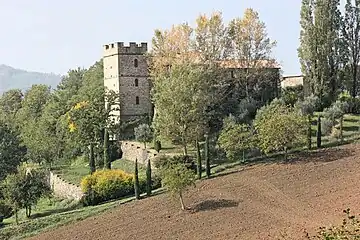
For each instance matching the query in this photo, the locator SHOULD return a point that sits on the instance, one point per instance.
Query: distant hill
(11, 78)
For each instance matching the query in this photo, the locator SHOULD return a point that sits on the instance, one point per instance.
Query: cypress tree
(92, 159)
(198, 156)
(148, 179)
(136, 181)
(207, 160)
(309, 132)
(107, 162)
(318, 132)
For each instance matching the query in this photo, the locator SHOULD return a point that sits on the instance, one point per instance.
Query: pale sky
(55, 36)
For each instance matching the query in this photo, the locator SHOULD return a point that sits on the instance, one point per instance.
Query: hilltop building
(126, 72)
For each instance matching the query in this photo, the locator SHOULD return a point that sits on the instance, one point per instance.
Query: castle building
(126, 73)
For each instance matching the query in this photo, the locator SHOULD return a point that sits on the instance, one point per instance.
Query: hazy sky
(54, 36)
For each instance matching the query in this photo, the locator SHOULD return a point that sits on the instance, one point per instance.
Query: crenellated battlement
(120, 48)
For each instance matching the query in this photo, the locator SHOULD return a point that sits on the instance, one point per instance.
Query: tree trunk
(318, 132)
(136, 181)
(309, 132)
(207, 160)
(148, 179)
(107, 161)
(285, 154)
(198, 156)
(243, 155)
(181, 201)
(92, 159)
(354, 85)
(145, 145)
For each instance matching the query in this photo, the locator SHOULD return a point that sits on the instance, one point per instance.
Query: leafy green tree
(143, 133)
(279, 127)
(25, 188)
(10, 103)
(181, 98)
(177, 178)
(235, 139)
(12, 150)
(249, 46)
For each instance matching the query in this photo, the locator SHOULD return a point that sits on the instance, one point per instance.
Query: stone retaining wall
(134, 150)
(63, 189)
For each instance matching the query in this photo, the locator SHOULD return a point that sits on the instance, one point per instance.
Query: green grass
(75, 172)
(33, 227)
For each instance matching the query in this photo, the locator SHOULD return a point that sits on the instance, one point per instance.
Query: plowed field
(258, 202)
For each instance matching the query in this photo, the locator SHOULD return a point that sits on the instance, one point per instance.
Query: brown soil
(261, 202)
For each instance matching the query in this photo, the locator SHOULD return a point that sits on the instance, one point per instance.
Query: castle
(126, 72)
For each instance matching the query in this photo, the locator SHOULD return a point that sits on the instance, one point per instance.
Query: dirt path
(260, 202)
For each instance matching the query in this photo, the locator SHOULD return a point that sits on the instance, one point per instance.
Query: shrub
(326, 126)
(235, 139)
(105, 185)
(163, 161)
(291, 95)
(157, 146)
(5, 210)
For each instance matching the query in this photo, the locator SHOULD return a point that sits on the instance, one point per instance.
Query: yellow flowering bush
(104, 185)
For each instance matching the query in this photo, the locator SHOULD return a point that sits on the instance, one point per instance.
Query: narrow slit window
(137, 100)
(136, 82)
(136, 63)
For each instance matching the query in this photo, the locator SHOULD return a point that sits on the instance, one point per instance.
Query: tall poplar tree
(351, 33)
(321, 47)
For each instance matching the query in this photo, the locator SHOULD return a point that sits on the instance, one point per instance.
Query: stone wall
(63, 189)
(134, 150)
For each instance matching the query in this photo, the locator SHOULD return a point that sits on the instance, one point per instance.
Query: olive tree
(279, 127)
(177, 178)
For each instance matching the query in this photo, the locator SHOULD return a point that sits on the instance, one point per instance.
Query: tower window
(137, 100)
(136, 63)
(136, 82)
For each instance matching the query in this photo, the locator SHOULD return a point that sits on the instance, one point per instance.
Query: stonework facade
(126, 73)
(63, 189)
(134, 150)
(292, 81)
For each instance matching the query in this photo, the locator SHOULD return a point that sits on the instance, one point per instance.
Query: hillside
(16, 78)
(259, 202)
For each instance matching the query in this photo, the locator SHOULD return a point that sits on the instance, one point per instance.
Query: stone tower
(126, 72)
